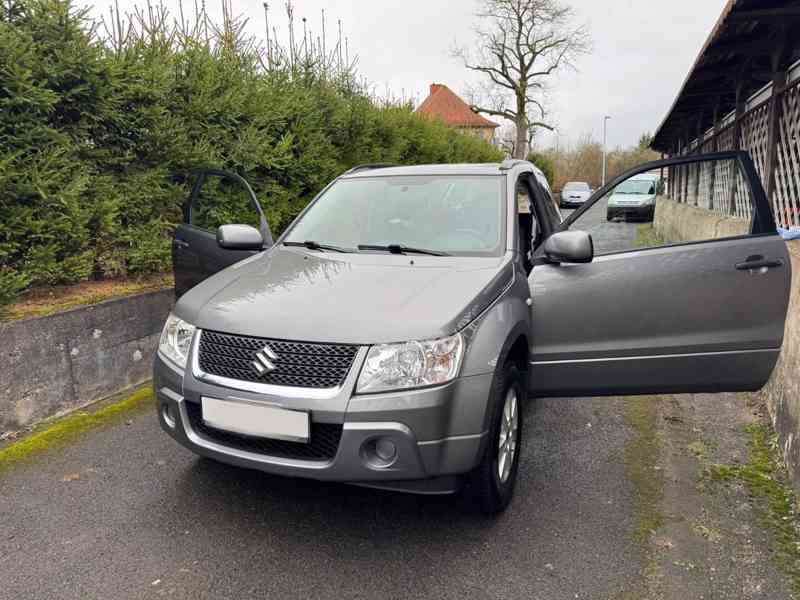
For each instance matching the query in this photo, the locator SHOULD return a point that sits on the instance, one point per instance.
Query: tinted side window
(220, 201)
(701, 201)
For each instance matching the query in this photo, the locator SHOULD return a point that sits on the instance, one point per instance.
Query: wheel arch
(515, 350)
(502, 332)
(518, 352)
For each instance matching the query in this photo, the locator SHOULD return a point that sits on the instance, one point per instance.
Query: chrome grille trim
(272, 390)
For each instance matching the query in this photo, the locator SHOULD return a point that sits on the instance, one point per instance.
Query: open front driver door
(217, 198)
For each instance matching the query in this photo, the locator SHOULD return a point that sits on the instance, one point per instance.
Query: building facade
(445, 105)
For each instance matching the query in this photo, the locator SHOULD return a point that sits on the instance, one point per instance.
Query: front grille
(322, 444)
(298, 364)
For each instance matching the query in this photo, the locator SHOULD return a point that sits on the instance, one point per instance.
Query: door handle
(758, 262)
(180, 243)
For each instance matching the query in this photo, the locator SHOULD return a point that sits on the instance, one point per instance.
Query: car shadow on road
(232, 493)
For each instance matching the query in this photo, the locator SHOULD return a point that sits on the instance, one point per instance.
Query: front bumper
(439, 432)
(644, 212)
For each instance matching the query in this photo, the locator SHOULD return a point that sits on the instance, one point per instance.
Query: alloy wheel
(507, 441)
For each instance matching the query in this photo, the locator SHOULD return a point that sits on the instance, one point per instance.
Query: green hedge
(96, 145)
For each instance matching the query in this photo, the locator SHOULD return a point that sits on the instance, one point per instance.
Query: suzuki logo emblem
(264, 360)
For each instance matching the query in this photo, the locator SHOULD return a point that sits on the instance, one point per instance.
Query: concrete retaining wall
(679, 222)
(684, 223)
(54, 364)
(782, 393)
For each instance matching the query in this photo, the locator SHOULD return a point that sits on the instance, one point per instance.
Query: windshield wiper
(312, 245)
(400, 249)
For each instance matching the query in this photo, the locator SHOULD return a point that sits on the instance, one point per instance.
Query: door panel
(674, 316)
(217, 198)
(672, 319)
(197, 256)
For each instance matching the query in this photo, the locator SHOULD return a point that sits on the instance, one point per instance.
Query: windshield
(575, 186)
(636, 186)
(455, 215)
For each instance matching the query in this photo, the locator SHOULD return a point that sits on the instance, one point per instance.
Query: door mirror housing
(569, 247)
(239, 237)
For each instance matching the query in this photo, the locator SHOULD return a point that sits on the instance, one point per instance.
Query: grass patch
(707, 533)
(68, 428)
(642, 454)
(40, 302)
(700, 449)
(641, 457)
(764, 477)
(647, 237)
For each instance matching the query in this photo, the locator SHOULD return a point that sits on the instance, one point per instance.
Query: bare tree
(521, 43)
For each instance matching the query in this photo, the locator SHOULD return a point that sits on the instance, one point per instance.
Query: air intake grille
(296, 364)
(322, 445)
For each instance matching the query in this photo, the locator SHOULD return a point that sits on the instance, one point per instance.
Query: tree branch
(506, 114)
(520, 44)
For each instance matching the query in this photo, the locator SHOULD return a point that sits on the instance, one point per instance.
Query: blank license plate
(256, 420)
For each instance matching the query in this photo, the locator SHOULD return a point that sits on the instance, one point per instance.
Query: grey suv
(392, 335)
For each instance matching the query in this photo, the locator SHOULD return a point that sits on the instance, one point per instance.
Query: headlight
(176, 337)
(411, 364)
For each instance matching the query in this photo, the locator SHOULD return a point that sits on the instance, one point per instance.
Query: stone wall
(51, 365)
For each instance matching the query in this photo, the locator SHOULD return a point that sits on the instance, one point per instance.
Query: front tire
(494, 479)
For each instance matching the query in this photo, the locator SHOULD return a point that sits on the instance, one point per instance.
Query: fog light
(385, 450)
(379, 453)
(168, 415)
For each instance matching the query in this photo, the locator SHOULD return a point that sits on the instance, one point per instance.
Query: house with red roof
(444, 104)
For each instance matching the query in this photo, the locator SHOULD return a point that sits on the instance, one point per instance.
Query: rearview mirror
(569, 247)
(239, 237)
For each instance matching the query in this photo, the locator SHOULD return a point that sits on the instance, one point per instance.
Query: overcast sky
(642, 52)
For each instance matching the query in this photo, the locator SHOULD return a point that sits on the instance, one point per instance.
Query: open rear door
(687, 292)
(217, 198)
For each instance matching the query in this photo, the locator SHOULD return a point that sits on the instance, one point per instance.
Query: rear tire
(493, 480)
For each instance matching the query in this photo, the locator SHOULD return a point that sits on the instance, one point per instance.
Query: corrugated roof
(746, 34)
(443, 103)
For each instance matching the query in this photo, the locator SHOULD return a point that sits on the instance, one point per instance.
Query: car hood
(295, 294)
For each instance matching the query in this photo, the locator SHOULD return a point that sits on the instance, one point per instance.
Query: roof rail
(369, 166)
(510, 163)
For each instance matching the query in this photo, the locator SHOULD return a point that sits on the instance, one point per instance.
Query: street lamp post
(605, 153)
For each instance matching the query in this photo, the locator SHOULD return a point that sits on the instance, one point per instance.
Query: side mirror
(569, 247)
(239, 237)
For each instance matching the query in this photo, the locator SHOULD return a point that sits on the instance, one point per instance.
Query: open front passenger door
(217, 198)
(686, 288)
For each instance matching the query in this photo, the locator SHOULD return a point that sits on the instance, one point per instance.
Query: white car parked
(574, 194)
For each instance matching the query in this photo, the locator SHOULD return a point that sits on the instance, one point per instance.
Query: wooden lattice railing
(715, 185)
(751, 133)
(786, 198)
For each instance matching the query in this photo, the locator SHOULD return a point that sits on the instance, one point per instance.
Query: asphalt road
(126, 513)
(608, 237)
